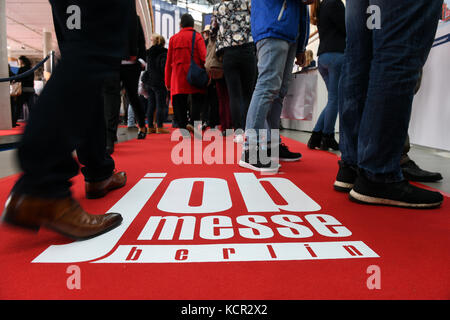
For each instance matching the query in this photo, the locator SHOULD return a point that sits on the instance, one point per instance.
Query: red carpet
(240, 238)
(14, 131)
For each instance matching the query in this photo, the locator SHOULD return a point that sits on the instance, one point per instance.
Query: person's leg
(198, 102)
(179, 102)
(232, 73)
(111, 98)
(335, 67)
(330, 112)
(272, 60)
(214, 118)
(224, 107)
(316, 135)
(323, 64)
(14, 111)
(131, 122)
(399, 54)
(274, 113)
(248, 66)
(160, 100)
(354, 78)
(130, 77)
(151, 106)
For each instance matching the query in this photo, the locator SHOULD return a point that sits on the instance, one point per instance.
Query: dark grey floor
(427, 158)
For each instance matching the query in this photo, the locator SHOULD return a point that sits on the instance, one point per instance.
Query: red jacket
(179, 59)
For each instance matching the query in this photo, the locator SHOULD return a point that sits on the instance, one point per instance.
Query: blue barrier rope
(27, 73)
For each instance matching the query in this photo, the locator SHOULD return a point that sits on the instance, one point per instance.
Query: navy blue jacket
(281, 19)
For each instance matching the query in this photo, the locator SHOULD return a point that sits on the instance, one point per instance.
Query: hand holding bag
(197, 76)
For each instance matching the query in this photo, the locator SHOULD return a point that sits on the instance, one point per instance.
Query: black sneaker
(314, 140)
(284, 154)
(141, 135)
(346, 177)
(412, 172)
(329, 142)
(396, 194)
(251, 159)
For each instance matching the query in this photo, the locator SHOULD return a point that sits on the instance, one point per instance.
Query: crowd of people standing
(257, 44)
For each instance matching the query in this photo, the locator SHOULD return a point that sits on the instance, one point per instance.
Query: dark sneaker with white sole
(346, 177)
(252, 159)
(396, 194)
(412, 172)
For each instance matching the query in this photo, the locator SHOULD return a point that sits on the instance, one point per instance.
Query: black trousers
(129, 75)
(212, 105)
(157, 101)
(240, 71)
(112, 99)
(69, 114)
(181, 106)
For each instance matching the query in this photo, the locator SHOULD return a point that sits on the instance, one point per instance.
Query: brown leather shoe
(64, 216)
(95, 190)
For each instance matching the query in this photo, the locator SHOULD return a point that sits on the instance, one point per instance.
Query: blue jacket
(281, 19)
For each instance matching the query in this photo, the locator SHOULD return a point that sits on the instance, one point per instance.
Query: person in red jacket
(177, 66)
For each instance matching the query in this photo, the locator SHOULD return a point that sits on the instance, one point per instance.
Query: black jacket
(136, 39)
(331, 26)
(27, 82)
(156, 63)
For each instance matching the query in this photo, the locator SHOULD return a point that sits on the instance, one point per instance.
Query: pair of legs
(157, 97)
(330, 66)
(180, 104)
(380, 72)
(275, 62)
(129, 75)
(239, 66)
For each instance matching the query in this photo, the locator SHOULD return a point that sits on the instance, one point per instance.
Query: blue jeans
(131, 121)
(380, 71)
(275, 63)
(330, 66)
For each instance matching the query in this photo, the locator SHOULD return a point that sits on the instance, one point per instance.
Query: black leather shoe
(412, 172)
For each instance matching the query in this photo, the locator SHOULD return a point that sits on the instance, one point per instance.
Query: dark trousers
(129, 74)
(239, 66)
(17, 110)
(224, 104)
(379, 75)
(181, 106)
(212, 105)
(111, 99)
(14, 111)
(69, 114)
(156, 101)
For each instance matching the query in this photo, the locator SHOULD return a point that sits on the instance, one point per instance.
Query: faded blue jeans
(275, 64)
(380, 71)
(330, 66)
